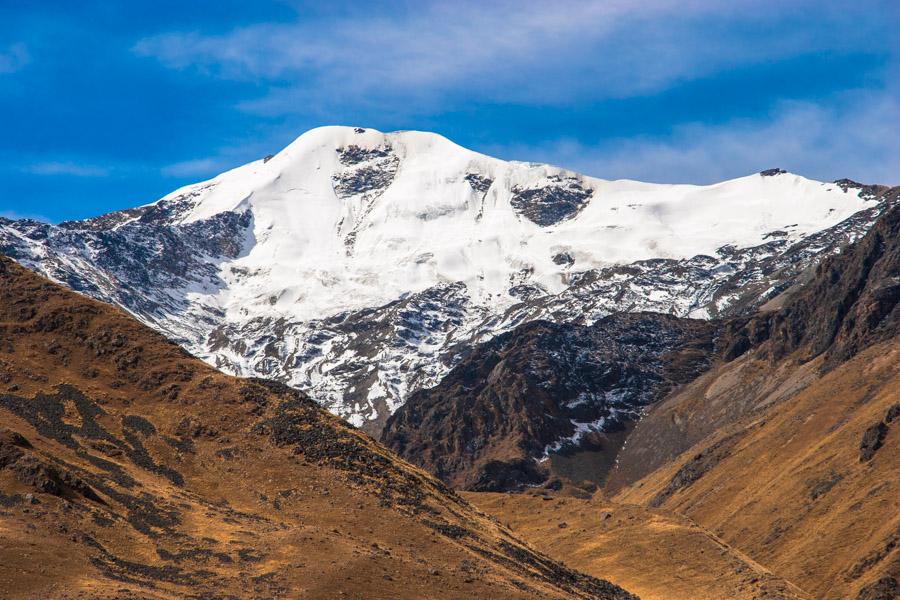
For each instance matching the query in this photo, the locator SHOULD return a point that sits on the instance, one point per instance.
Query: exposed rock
(885, 588)
(850, 303)
(541, 388)
(695, 468)
(352, 155)
(560, 199)
(871, 441)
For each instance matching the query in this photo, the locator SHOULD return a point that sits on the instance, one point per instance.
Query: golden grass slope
(786, 483)
(656, 554)
(129, 469)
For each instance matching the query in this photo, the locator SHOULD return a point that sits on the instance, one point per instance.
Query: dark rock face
(539, 389)
(17, 456)
(563, 258)
(479, 183)
(352, 155)
(772, 172)
(851, 303)
(561, 199)
(871, 441)
(885, 588)
(364, 180)
(873, 436)
(366, 171)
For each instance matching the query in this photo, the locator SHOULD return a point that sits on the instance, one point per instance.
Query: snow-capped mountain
(360, 265)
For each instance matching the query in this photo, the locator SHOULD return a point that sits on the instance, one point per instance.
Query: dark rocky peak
(772, 172)
(846, 184)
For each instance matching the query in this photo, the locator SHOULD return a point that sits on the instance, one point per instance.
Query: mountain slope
(505, 414)
(129, 469)
(360, 266)
(790, 451)
(658, 554)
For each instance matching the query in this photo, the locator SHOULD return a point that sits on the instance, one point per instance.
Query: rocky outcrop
(544, 388)
(851, 303)
(561, 198)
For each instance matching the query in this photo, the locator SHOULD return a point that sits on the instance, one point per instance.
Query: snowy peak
(358, 264)
(341, 208)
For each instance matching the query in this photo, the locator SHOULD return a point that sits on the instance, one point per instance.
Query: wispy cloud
(538, 52)
(819, 142)
(70, 169)
(13, 58)
(200, 167)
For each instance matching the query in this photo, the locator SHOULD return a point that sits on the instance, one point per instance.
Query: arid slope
(653, 552)
(786, 453)
(128, 469)
(791, 452)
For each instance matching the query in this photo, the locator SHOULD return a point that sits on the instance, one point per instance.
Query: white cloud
(540, 52)
(437, 57)
(200, 167)
(65, 168)
(816, 141)
(13, 58)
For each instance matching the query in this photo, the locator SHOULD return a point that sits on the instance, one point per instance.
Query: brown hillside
(789, 484)
(786, 455)
(657, 554)
(791, 452)
(128, 469)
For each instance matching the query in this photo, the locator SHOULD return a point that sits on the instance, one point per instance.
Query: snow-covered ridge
(318, 253)
(354, 262)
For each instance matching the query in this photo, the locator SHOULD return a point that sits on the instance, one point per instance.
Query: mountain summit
(361, 266)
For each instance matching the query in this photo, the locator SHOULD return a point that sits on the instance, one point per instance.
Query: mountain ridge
(359, 265)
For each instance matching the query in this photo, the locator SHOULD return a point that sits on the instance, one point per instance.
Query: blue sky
(107, 105)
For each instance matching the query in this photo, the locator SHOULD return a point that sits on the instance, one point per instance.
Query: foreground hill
(129, 469)
(359, 266)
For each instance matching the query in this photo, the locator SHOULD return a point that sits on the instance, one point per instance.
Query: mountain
(129, 469)
(361, 266)
(768, 470)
